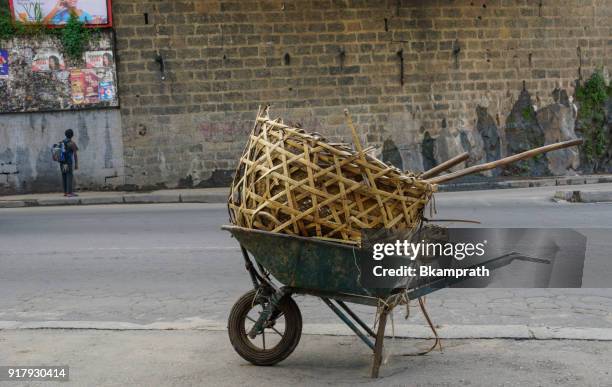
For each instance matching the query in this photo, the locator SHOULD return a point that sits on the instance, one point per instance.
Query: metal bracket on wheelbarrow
(268, 291)
(269, 309)
(257, 276)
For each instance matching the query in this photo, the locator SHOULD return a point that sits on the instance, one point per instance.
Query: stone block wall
(193, 73)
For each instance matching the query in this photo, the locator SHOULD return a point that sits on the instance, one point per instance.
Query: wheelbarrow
(265, 324)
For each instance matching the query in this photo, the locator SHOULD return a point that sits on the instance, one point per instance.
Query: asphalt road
(171, 263)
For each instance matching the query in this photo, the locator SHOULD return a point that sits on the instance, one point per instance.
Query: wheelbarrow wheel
(278, 339)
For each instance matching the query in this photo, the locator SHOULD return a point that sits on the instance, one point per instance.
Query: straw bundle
(293, 182)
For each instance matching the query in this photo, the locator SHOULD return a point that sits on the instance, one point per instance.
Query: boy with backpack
(65, 152)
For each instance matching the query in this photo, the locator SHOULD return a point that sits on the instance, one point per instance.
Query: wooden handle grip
(505, 161)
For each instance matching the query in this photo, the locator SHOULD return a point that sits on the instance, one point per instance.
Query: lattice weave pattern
(293, 182)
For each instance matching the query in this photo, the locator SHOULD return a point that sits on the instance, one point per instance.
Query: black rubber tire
(241, 342)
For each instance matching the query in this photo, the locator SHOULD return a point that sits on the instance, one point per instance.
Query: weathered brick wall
(312, 58)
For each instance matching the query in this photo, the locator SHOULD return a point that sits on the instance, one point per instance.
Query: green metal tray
(308, 264)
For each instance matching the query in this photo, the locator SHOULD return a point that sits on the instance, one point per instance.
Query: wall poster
(94, 13)
(4, 64)
(42, 78)
(48, 59)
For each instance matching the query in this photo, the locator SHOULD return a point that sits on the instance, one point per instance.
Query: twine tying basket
(293, 182)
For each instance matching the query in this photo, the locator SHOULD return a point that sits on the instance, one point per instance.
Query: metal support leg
(356, 318)
(348, 322)
(380, 338)
(249, 266)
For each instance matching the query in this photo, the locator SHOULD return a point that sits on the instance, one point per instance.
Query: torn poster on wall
(4, 64)
(98, 59)
(106, 91)
(77, 83)
(48, 59)
(41, 78)
(90, 86)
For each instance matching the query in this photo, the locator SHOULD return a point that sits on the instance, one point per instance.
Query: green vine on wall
(74, 36)
(7, 29)
(592, 119)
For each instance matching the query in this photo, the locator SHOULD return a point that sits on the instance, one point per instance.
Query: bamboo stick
(504, 161)
(448, 164)
(356, 140)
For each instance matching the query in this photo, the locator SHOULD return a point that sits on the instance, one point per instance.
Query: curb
(405, 331)
(216, 197)
(119, 199)
(204, 198)
(584, 196)
(12, 204)
(151, 198)
(101, 200)
(546, 182)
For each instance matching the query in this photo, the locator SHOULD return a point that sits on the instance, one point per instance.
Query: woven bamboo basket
(293, 182)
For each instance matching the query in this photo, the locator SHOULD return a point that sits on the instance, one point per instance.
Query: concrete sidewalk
(200, 195)
(219, 195)
(205, 358)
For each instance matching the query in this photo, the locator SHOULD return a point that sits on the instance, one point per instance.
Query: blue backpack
(59, 152)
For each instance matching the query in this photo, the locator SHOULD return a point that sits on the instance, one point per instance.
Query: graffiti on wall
(36, 76)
